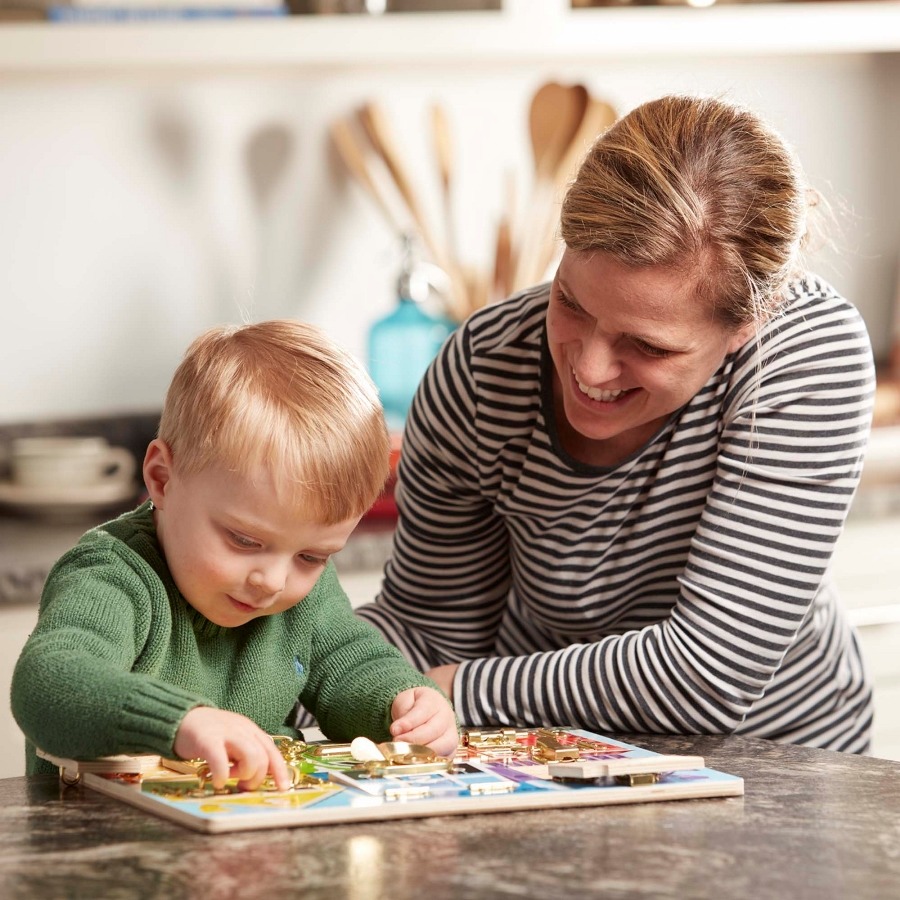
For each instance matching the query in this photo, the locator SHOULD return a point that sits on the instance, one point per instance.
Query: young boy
(191, 625)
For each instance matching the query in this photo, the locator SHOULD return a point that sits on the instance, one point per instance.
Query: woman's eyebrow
(660, 343)
(653, 340)
(561, 282)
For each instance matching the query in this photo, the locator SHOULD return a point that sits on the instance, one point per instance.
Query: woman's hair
(700, 185)
(283, 397)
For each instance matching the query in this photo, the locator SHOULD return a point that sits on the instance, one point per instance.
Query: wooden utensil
(504, 247)
(598, 116)
(353, 153)
(378, 130)
(555, 116)
(376, 126)
(502, 280)
(443, 150)
(478, 283)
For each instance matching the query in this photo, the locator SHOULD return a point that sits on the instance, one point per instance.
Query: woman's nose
(598, 363)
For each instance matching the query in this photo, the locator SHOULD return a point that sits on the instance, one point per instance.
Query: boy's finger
(421, 733)
(219, 766)
(249, 765)
(416, 717)
(278, 768)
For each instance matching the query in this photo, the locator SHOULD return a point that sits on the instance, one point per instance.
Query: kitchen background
(159, 178)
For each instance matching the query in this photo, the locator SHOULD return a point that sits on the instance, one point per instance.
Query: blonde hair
(283, 396)
(702, 186)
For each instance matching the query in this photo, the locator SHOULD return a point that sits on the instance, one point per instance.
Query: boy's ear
(157, 471)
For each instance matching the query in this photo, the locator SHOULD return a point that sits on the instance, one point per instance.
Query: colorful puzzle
(493, 771)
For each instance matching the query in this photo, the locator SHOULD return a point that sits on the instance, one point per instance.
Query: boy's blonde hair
(283, 396)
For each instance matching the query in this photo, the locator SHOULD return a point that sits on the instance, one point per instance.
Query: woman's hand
(233, 747)
(422, 715)
(443, 677)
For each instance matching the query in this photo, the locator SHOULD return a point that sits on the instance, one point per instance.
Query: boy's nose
(268, 580)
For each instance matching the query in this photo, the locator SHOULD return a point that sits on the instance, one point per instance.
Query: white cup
(64, 462)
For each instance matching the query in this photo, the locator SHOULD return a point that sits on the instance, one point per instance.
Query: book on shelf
(101, 11)
(172, 4)
(22, 10)
(21, 14)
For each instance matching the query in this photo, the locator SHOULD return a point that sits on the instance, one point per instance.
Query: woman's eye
(651, 350)
(566, 303)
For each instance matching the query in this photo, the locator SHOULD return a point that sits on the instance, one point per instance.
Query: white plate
(66, 503)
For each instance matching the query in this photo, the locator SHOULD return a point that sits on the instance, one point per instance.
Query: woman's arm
(446, 581)
(789, 460)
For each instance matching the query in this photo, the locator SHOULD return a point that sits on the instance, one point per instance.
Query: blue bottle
(402, 344)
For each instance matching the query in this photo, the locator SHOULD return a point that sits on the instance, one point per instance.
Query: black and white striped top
(684, 590)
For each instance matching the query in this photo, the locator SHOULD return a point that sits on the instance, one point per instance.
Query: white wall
(129, 219)
(18, 622)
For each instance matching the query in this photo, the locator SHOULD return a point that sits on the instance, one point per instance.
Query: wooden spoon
(505, 242)
(353, 154)
(378, 130)
(376, 126)
(598, 116)
(555, 116)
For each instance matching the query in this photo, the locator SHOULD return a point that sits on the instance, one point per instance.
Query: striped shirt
(684, 590)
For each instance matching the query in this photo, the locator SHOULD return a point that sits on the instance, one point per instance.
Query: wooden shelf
(524, 32)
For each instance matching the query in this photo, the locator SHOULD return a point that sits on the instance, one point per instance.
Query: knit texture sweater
(119, 657)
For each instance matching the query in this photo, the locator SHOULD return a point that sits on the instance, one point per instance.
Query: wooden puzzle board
(481, 780)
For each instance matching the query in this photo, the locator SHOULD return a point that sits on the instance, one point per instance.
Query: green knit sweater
(118, 657)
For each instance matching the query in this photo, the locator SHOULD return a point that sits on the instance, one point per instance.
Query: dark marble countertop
(812, 824)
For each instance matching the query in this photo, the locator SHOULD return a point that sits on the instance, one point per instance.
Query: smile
(598, 394)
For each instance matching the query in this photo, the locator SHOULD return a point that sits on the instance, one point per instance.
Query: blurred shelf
(526, 31)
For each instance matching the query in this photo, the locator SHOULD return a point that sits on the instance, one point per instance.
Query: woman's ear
(157, 471)
(742, 336)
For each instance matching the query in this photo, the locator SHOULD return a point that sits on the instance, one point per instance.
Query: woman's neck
(608, 452)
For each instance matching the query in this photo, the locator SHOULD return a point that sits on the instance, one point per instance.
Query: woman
(620, 492)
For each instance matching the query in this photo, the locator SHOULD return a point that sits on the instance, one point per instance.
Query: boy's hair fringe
(280, 396)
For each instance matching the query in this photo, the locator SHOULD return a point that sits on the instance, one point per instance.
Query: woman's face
(629, 347)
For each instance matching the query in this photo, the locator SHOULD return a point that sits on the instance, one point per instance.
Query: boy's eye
(312, 560)
(244, 543)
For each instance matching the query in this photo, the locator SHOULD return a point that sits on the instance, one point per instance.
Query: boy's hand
(421, 715)
(443, 676)
(233, 747)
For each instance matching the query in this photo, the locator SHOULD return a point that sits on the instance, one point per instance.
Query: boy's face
(236, 549)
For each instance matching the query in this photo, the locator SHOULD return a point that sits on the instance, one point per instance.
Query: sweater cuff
(151, 716)
(343, 722)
